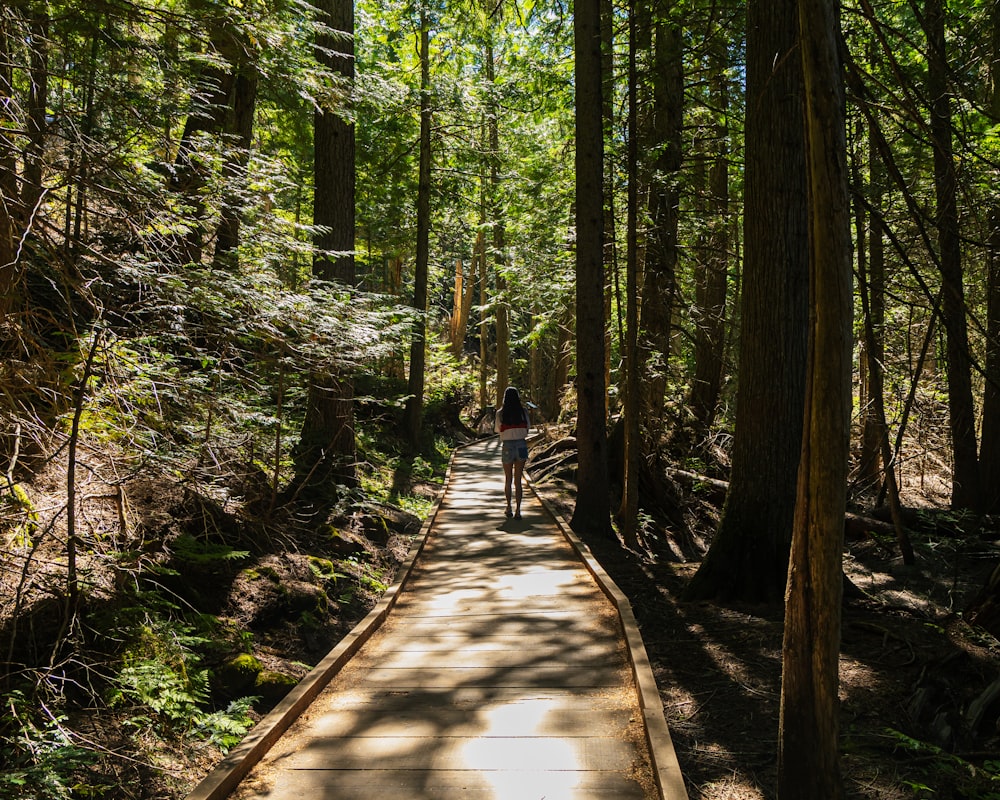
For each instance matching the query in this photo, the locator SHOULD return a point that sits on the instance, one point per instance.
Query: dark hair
(513, 412)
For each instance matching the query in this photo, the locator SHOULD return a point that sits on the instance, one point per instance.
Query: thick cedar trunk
(965, 491)
(592, 511)
(413, 413)
(808, 753)
(327, 447)
(749, 556)
(659, 278)
(484, 351)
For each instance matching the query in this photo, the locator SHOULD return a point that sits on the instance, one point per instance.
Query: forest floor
(919, 687)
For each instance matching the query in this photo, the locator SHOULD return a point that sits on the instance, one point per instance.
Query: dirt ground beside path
(912, 672)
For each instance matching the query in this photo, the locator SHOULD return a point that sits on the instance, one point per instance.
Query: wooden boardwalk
(509, 668)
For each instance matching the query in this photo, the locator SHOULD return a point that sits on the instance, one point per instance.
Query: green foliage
(226, 729)
(940, 768)
(41, 760)
(163, 682)
(199, 551)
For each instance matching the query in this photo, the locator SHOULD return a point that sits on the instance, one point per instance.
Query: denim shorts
(513, 450)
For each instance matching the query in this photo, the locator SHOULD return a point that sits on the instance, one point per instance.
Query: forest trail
(505, 670)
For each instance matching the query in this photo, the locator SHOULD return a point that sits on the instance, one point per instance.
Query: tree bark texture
(712, 278)
(873, 430)
(965, 491)
(748, 558)
(593, 506)
(628, 512)
(413, 413)
(989, 445)
(808, 756)
(499, 233)
(334, 151)
(327, 451)
(660, 274)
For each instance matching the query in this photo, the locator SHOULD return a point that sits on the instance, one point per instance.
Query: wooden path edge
(228, 773)
(666, 769)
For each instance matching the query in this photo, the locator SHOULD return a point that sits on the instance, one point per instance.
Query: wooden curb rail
(226, 776)
(666, 769)
(229, 773)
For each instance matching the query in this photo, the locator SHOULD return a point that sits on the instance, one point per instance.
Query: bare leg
(518, 470)
(508, 474)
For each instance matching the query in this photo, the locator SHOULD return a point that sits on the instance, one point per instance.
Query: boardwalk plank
(503, 672)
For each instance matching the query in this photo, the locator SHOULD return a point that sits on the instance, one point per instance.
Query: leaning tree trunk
(808, 746)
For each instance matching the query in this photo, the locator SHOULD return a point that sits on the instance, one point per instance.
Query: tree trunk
(660, 279)
(327, 449)
(209, 105)
(462, 305)
(610, 249)
(965, 490)
(37, 98)
(989, 446)
(499, 233)
(628, 513)
(712, 279)
(244, 105)
(593, 506)
(8, 174)
(873, 430)
(748, 559)
(413, 414)
(808, 754)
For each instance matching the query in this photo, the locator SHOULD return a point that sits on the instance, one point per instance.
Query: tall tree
(808, 760)
(748, 558)
(660, 269)
(989, 446)
(498, 225)
(966, 490)
(592, 511)
(326, 449)
(413, 413)
(628, 512)
(712, 278)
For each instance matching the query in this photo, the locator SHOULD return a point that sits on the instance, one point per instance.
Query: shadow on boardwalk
(501, 672)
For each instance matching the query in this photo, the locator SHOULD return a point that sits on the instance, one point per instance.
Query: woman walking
(512, 424)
